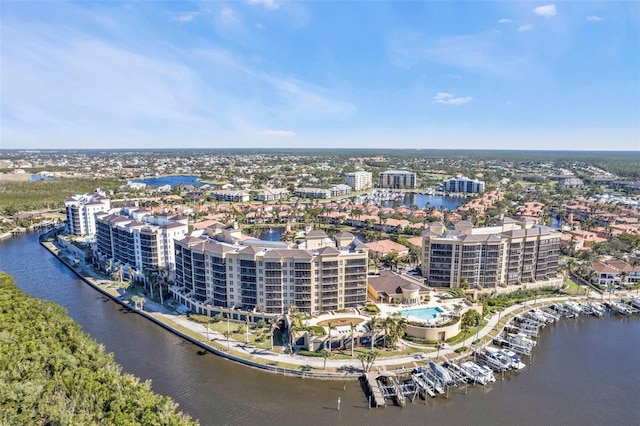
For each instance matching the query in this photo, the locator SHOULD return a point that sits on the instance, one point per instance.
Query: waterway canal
(584, 371)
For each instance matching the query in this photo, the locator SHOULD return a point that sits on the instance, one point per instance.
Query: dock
(391, 388)
(374, 391)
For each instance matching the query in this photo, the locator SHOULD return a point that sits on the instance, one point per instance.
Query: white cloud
(228, 16)
(287, 97)
(482, 52)
(268, 4)
(594, 18)
(450, 99)
(505, 21)
(185, 16)
(525, 27)
(279, 133)
(546, 10)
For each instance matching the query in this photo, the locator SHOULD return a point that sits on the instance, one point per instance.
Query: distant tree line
(47, 194)
(52, 373)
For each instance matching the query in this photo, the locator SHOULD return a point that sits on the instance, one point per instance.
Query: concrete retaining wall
(265, 367)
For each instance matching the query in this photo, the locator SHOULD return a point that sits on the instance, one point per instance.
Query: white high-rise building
(81, 212)
(463, 184)
(139, 239)
(359, 180)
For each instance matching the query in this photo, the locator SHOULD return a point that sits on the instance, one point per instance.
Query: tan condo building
(215, 272)
(359, 181)
(512, 253)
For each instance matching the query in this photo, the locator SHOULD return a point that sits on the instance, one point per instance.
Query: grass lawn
(572, 288)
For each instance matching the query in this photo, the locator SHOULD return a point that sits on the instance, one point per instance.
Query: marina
(516, 340)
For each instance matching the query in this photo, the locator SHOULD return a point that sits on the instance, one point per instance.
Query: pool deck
(447, 306)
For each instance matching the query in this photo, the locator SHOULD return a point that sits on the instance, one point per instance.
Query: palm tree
(330, 327)
(352, 326)
(272, 331)
(326, 354)
(400, 327)
(227, 334)
(138, 301)
(130, 271)
(293, 327)
(388, 324)
(246, 324)
(388, 260)
(357, 213)
(373, 324)
(367, 359)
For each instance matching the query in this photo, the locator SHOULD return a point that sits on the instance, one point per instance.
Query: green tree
(227, 334)
(352, 327)
(54, 373)
(373, 326)
(326, 354)
(368, 359)
(471, 319)
(330, 327)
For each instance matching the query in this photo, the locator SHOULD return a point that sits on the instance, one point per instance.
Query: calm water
(272, 234)
(172, 181)
(583, 371)
(423, 313)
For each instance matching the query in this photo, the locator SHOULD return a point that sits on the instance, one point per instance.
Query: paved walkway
(348, 364)
(341, 365)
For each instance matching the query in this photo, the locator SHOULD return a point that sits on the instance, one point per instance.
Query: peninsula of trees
(53, 373)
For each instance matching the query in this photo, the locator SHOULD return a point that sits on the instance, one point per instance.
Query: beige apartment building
(397, 179)
(359, 181)
(512, 253)
(214, 273)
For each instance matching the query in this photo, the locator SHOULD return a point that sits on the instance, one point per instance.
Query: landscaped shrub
(373, 309)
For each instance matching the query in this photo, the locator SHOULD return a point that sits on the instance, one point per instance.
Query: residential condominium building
(269, 277)
(272, 194)
(312, 193)
(463, 184)
(340, 190)
(359, 180)
(81, 211)
(397, 179)
(137, 238)
(514, 252)
(231, 195)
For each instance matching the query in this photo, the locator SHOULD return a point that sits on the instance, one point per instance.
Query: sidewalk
(264, 356)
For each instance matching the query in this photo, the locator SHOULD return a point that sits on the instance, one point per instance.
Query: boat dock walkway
(374, 391)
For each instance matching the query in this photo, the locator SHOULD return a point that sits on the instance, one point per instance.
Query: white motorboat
(573, 307)
(479, 373)
(516, 361)
(495, 359)
(521, 339)
(441, 373)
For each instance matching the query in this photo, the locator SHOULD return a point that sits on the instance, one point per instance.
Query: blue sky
(347, 74)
